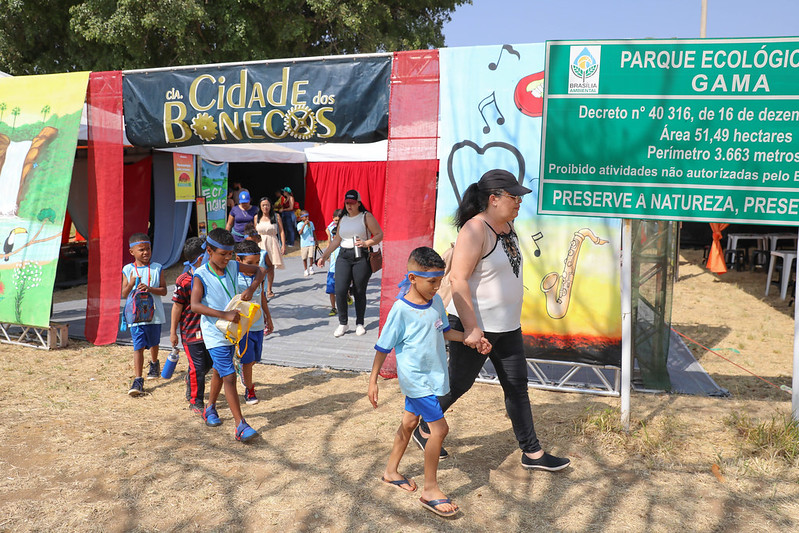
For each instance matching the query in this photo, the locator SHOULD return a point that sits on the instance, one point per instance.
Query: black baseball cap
(352, 195)
(501, 179)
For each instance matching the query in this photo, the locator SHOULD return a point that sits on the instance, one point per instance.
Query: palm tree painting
(2, 109)
(45, 111)
(15, 112)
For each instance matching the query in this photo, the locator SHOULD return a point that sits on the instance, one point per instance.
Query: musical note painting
(571, 309)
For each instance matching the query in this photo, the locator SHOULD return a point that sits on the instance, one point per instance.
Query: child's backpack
(139, 306)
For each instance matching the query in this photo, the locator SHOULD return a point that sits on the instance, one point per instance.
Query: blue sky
(533, 21)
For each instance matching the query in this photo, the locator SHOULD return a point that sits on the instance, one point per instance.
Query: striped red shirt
(189, 322)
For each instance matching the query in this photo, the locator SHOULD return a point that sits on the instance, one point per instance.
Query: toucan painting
(8, 246)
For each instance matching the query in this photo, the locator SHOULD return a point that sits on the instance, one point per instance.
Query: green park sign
(704, 130)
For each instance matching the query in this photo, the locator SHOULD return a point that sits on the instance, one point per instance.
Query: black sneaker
(137, 389)
(422, 442)
(155, 370)
(547, 462)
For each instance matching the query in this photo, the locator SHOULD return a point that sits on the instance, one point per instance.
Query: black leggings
(356, 272)
(508, 358)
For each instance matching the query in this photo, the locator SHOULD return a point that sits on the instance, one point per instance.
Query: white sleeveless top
(497, 292)
(349, 227)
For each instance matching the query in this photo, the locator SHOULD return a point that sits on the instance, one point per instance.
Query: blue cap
(244, 197)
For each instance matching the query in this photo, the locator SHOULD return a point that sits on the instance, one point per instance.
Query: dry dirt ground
(78, 454)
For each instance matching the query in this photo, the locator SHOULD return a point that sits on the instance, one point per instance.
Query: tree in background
(49, 36)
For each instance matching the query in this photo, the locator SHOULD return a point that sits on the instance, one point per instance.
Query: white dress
(269, 241)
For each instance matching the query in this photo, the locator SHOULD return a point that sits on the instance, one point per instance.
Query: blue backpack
(139, 307)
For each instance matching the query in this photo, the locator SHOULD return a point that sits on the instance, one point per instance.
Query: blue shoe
(211, 417)
(244, 432)
(137, 389)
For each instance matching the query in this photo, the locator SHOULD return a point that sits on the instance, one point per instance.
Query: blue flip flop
(399, 482)
(432, 505)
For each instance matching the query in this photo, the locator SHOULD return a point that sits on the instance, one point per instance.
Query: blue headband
(248, 254)
(187, 265)
(405, 284)
(225, 247)
(138, 242)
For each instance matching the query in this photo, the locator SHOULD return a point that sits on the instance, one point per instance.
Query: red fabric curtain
(411, 171)
(326, 183)
(715, 259)
(105, 188)
(138, 179)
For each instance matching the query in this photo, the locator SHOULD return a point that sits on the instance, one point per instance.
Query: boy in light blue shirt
(251, 345)
(305, 229)
(144, 275)
(213, 286)
(415, 329)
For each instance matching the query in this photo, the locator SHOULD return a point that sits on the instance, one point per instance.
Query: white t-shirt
(497, 292)
(349, 227)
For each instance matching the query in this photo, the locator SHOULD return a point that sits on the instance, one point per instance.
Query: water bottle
(356, 248)
(171, 363)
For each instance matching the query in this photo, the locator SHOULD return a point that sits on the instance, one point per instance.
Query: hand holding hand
(472, 337)
(483, 346)
(268, 326)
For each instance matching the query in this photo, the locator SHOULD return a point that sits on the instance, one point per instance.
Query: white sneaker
(360, 330)
(341, 330)
(305, 273)
(310, 270)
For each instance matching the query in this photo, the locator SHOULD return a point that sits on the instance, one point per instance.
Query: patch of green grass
(658, 437)
(778, 437)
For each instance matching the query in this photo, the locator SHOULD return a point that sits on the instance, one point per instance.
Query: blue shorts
(145, 336)
(253, 341)
(222, 356)
(427, 407)
(330, 288)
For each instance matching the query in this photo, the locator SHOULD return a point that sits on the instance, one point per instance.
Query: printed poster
(214, 189)
(491, 109)
(39, 121)
(184, 177)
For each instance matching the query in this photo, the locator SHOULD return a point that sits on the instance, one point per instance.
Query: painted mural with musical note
(493, 120)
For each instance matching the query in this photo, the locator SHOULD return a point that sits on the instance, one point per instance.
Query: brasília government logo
(584, 65)
(584, 69)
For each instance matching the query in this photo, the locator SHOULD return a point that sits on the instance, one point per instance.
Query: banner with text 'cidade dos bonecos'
(334, 99)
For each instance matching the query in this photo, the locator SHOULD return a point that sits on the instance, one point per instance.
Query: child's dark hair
(137, 237)
(193, 249)
(339, 213)
(222, 236)
(246, 247)
(427, 258)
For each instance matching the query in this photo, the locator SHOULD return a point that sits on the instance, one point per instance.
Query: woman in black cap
(487, 291)
(357, 232)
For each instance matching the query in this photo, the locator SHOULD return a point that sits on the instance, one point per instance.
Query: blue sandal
(432, 505)
(400, 482)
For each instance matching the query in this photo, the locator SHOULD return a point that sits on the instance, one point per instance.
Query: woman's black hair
(474, 201)
(427, 258)
(271, 210)
(222, 236)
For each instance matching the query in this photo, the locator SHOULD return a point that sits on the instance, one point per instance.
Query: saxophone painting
(557, 301)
